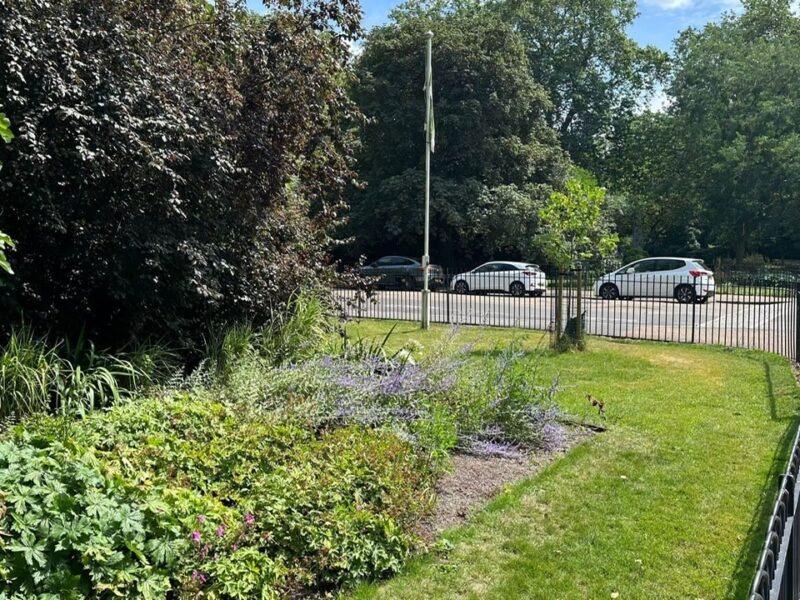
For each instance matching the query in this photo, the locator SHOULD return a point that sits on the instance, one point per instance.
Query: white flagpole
(426, 293)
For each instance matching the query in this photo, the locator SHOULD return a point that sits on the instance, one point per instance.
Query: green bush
(229, 501)
(71, 531)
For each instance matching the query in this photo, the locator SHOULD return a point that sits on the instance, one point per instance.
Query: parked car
(686, 280)
(515, 278)
(403, 272)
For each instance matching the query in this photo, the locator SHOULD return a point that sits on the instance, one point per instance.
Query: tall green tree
(496, 156)
(660, 211)
(594, 72)
(738, 113)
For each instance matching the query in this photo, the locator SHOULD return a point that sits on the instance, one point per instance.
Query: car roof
(666, 258)
(516, 263)
(397, 256)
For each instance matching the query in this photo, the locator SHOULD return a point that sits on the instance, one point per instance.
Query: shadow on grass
(747, 561)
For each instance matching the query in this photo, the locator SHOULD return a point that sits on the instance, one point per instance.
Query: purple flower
(201, 518)
(221, 531)
(201, 578)
(249, 519)
(196, 536)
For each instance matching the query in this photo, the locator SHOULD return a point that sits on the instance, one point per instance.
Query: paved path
(743, 321)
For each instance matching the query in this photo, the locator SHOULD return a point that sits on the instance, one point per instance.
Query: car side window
(646, 266)
(505, 267)
(405, 262)
(485, 269)
(383, 262)
(669, 265)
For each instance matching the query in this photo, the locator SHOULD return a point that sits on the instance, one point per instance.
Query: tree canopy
(496, 157)
(718, 171)
(595, 73)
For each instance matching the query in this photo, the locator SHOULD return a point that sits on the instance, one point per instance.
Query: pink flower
(221, 531)
(196, 536)
(249, 519)
(200, 577)
(201, 518)
(234, 547)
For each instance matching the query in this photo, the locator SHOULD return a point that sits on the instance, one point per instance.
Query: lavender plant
(440, 402)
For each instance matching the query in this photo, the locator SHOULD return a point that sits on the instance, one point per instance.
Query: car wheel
(685, 294)
(517, 288)
(608, 291)
(461, 287)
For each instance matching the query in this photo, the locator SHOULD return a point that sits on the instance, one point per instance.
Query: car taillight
(698, 273)
(529, 273)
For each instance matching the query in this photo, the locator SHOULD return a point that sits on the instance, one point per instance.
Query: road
(742, 321)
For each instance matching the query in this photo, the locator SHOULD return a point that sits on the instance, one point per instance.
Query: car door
(636, 279)
(399, 271)
(667, 276)
(505, 275)
(480, 278)
(379, 268)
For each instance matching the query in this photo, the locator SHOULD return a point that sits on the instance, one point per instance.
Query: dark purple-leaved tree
(177, 162)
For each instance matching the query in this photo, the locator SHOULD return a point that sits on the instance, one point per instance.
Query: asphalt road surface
(766, 323)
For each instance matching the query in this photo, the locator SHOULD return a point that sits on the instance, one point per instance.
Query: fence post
(559, 307)
(797, 322)
(447, 293)
(578, 316)
(694, 306)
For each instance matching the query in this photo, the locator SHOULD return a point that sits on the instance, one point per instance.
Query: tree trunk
(741, 246)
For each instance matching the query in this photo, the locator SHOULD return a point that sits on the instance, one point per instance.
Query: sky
(658, 23)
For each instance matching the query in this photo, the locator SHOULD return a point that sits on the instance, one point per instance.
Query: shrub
(71, 531)
(258, 507)
(178, 163)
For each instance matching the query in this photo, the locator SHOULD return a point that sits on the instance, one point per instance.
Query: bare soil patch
(474, 480)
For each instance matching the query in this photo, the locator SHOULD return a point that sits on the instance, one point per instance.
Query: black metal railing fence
(778, 575)
(746, 311)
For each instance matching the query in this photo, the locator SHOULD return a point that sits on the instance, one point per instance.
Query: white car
(686, 280)
(515, 278)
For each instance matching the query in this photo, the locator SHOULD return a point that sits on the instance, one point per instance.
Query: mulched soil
(475, 480)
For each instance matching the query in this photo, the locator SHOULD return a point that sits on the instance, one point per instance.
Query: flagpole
(426, 293)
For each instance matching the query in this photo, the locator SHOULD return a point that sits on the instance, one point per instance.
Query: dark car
(402, 272)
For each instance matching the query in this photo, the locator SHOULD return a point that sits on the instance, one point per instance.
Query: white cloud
(669, 4)
(681, 5)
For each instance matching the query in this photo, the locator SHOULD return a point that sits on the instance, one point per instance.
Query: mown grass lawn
(670, 502)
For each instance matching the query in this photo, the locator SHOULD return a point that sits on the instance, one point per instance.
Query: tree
(177, 163)
(740, 120)
(493, 144)
(594, 72)
(659, 211)
(574, 227)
